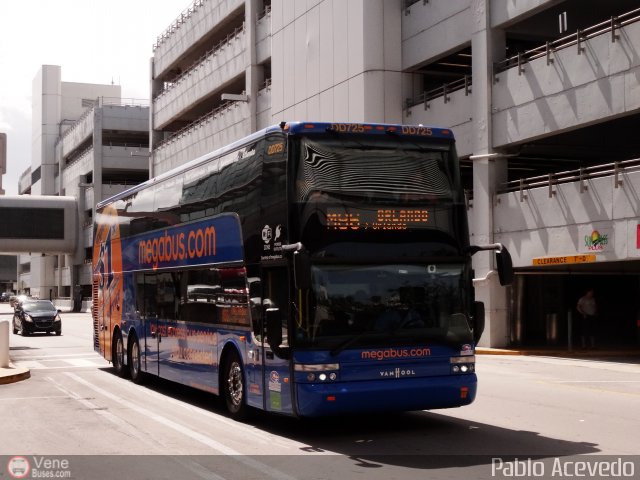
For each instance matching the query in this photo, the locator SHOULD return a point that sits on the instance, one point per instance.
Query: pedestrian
(588, 309)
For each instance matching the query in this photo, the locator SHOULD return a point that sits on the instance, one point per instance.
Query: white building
(542, 96)
(88, 143)
(531, 89)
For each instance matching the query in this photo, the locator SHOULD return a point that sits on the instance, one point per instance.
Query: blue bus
(309, 269)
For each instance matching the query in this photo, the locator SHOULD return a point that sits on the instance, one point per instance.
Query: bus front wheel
(134, 360)
(233, 387)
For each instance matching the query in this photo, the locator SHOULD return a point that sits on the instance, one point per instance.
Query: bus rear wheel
(135, 370)
(233, 387)
(118, 354)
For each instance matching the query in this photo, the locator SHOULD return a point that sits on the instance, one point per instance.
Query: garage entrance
(542, 304)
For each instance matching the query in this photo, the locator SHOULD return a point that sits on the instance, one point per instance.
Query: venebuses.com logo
(18, 467)
(38, 467)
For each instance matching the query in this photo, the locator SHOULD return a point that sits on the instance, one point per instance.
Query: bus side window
(276, 295)
(199, 292)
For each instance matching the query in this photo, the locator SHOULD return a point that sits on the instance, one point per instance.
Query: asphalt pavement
(13, 373)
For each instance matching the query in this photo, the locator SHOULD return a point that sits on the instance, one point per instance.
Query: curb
(17, 376)
(576, 353)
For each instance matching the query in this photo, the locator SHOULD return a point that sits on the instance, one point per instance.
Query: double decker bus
(309, 269)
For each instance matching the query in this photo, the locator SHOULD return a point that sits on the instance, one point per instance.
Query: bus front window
(385, 304)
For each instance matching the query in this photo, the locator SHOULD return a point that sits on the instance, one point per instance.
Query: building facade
(542, 96)
(7, 262)
(90, 144)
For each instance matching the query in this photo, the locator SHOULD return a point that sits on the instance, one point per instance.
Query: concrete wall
(600, 84)
(214, 132)
(433, 29)
(504, 12)
(455, 114)
(217, 69)
(74, 94)
(541, 226)
(336, 61)
(131, 118)
(190, 29)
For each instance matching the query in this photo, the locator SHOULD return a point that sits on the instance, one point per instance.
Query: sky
(93, 41)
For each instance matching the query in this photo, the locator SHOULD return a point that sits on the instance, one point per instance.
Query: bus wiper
(348, 342)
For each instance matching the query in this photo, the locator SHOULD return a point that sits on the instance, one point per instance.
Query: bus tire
(233, 387)
(117, 355)
(133, 352)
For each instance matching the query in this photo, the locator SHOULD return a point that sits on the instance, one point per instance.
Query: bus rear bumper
(315, 399)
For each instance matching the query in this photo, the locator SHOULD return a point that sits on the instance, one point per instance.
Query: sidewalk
(588, 353)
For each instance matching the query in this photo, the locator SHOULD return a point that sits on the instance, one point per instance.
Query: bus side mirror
(503, 260)
(504, 266)
(274, 328)
(302, 269)
(478, 321)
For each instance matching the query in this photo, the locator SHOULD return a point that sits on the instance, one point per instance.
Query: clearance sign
(568, 259)
(212, 240)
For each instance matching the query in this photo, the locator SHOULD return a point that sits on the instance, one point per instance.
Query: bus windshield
(373, 305)
(375, 169)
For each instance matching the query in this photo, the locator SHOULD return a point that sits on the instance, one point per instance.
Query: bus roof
(297, 128)
(368, 129)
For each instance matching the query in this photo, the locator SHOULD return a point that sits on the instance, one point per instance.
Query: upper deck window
(372, 168)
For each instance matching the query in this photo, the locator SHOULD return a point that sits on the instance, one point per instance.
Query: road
(73, 407)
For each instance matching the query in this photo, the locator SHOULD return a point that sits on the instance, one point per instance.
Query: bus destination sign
(377, 219)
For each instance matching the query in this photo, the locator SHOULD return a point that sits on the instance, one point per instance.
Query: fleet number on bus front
(424, 131)
(347, 127)
(275, 148)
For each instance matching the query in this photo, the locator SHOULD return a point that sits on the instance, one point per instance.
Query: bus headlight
(464, 364)
(319, 372)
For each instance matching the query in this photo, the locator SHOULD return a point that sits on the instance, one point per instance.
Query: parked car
(15, 299)
(36, 316)
(5, 296)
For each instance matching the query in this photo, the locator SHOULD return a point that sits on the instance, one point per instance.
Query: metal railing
(550, 180)
(167, 86)
(76, 158)
(106, 102)
(575, 39)
(264, 13)
(196, 124)
(442, 91)
(406, 5)
(182, 18)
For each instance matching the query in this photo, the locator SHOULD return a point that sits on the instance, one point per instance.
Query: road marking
(263, 437)
(60, 355)
(210, 442)
(32, 398)
(596, 381)
(71, 361)
(125, 426)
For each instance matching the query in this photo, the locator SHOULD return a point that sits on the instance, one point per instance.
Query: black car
(5, 296)
(36, 316)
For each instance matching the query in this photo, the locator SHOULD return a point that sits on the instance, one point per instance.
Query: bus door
(146, 302)
(277, 381)
(171, 336)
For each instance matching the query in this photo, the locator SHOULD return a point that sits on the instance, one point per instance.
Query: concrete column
(97, 157)
(253, 71)
(489, 170)
(4, 344)
(154, 136)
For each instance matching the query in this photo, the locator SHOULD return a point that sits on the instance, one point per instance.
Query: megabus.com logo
(177, 246)
(391, 353)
